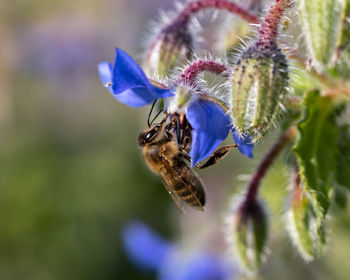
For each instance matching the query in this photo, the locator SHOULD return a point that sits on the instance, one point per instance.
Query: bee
(166, 158)
(166, 147)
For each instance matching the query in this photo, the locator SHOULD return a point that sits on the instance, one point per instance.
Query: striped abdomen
(185, 183)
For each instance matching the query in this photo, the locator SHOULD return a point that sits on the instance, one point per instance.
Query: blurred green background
(70, 172)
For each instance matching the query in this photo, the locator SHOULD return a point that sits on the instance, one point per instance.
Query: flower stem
(269, 28)
(266, 163)
(189, 75)
(195, 6)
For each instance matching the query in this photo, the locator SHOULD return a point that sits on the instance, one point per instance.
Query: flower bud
(230, 34)
(171, 48)
(342, 57)
(321, 22)
(250, 230)
(258, 86)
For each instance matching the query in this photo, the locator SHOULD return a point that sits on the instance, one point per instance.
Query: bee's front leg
(218, 154)
(185, 156)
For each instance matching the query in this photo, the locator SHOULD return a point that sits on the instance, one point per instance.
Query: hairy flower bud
(171, 48)
(250, 230)
(322, 22)
(342, 57)
(258, 84)
(230, 34)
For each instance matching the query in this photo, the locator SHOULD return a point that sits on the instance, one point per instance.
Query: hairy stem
(269, 28)
(195, 6)
(266, 163)
(189, 75)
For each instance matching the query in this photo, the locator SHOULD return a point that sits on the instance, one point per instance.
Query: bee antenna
(161, 110)
(165, 118)
(150, 113)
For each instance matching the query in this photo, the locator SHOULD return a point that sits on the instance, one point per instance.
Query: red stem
(189, 75)
(269, 28)
(266, 163)
(195, 6)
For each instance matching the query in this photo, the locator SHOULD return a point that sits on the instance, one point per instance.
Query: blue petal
(127, 74)
(206, 267)
(244, 142)
(130, 80)
(105, 71)
(202, 266)
(135, 97)
(210, 125)
(144, 247)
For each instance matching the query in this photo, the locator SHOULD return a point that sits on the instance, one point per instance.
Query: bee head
(149, 135)
(152, 134)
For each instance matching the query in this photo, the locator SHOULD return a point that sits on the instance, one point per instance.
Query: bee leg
(185, 156)
(186, 145)
(178, 131)
(218, 154)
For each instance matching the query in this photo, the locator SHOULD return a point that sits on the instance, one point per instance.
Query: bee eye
(150, 134)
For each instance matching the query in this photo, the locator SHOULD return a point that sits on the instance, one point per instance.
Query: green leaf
(342, 159)
(340, 197)
(315, 151)
(300, 217)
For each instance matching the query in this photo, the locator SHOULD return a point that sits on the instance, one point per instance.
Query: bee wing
(173, 196)
(182, 181)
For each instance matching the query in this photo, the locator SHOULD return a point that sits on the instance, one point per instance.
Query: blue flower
(146, 249)
(210, 122)
(211, 125)
(244, 142)
(128, 83)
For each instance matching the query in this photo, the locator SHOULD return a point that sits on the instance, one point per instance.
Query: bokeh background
(71, 175)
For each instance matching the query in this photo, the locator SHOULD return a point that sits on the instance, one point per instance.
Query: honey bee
(166, 158)
(166, 154)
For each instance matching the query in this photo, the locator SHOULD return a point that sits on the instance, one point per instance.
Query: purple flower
(146, 249)
(210, 121)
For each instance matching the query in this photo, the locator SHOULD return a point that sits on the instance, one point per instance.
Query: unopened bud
(321, 22)
(250, 230)
(258, 84)
(230, 35)
(342, 57)
(171, 48)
